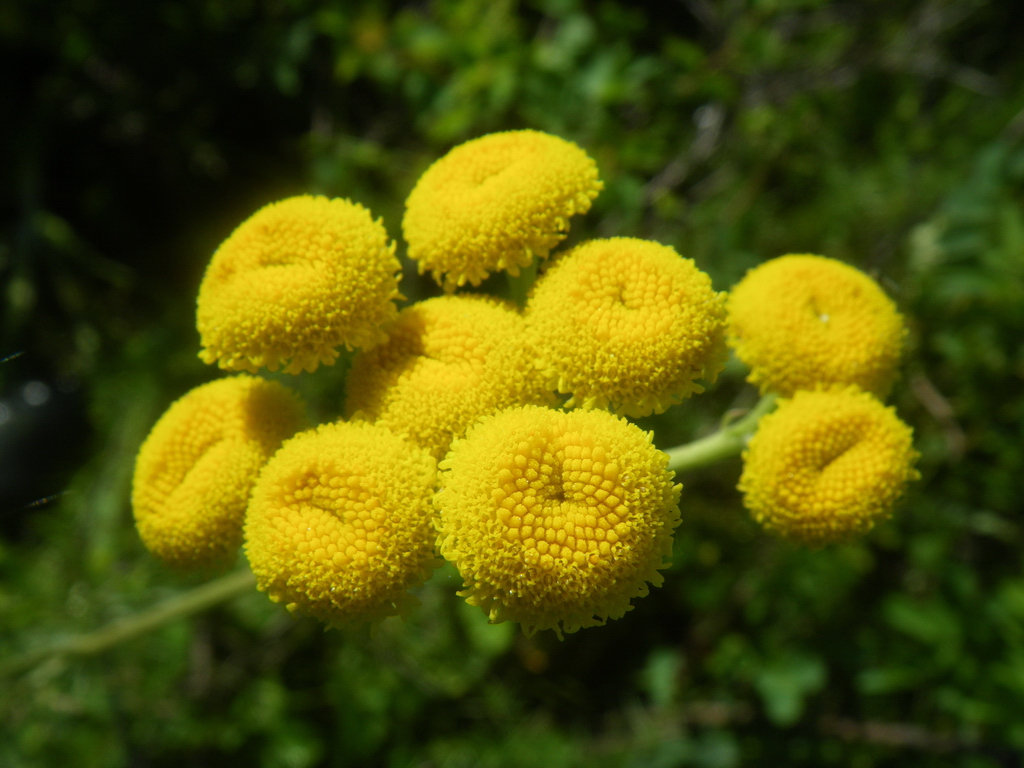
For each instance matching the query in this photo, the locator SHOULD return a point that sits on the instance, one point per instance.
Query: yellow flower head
(341, 525)
(803, 321)
(449, 361)
(556, 520)
(194, 472)
(495, 203)
(827, 465)
(627, 324)
(296, 280)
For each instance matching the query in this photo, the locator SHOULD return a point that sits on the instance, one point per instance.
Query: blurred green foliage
(134, 136)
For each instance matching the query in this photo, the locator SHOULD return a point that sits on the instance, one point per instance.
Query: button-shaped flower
(800, 321)
(827, 465)
(496, 202)
(295, 281)
(556, 520)
(340, 525)
(628, 325)
(448, 362)
(194, 472)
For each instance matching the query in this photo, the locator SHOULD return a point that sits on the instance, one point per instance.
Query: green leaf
(785, 682)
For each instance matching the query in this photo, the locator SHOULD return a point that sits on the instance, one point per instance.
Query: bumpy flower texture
(827, 465)
(194, 472)
(627, 325)
(496, 202)
(556, 520)
(800, 321)
(295, 281)
(449, 361)
(341, 525)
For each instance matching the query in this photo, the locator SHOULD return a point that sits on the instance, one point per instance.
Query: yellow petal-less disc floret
(496, 202)
(800, 321)
(628, 325)
(295, 281)
(341, 524)
(448, 361)
(194, 472)
(827, 465)
(556, 520)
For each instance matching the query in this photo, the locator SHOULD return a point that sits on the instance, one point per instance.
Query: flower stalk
(519, 285)
(726, 442)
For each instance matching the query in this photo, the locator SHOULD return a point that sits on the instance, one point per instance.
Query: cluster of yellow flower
(454, 441)
(832, 460)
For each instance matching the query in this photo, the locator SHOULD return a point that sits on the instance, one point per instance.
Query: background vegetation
(135, 136)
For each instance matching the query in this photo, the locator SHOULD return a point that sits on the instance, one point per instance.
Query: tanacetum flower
(449, 361)
(556, 520)
(827, 465)
(800, 321)
(341, 525)
(298, 279)
(194, 472)
(495, 203)
(627, 324)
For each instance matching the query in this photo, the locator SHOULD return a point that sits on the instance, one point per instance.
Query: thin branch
(121, 630)
(709, 119)
(939, 408)
(907, 735)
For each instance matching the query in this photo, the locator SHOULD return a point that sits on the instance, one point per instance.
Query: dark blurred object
(44, 437)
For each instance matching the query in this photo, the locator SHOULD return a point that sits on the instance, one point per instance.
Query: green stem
(519, 285)
(193, 601)
(726, 442)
